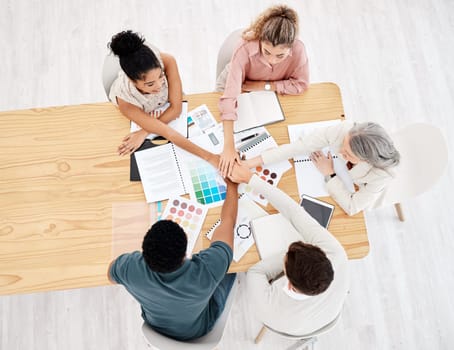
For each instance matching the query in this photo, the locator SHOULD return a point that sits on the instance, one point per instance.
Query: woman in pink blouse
(268, 57)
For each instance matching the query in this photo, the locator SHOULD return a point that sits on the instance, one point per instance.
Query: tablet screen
(319, 210)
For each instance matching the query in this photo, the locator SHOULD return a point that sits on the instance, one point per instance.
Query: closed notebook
(273, 234)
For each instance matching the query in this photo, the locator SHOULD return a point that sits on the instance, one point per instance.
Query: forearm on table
(140, 117)
(290, 86)
(352, 203)
(171, 113)
(283, 152)
(182, 142)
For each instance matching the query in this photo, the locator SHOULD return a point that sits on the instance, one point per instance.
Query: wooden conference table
(67, 205)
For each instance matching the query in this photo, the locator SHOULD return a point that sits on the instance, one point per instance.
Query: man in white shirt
(315, 282)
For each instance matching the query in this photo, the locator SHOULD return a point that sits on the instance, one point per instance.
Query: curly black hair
(164, 246)
(136, 58)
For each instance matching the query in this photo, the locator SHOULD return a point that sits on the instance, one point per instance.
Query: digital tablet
(319, 210)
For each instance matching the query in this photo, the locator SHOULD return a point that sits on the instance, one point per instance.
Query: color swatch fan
(208, 187)
(189, 214)
(205, 184)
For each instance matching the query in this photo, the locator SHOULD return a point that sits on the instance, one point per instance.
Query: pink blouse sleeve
(298, 81)
(234, 82)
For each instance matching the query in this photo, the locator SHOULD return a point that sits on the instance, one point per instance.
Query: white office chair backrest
(316, 333)
(226, 50)
(110, 71)
(207, 342)
(424, 156)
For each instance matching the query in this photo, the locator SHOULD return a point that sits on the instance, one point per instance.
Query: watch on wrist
(329, 177)
(267, 86)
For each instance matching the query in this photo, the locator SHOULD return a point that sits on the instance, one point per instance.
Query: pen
(249, 137)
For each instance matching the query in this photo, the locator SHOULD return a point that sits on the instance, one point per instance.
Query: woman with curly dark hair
(148, 92)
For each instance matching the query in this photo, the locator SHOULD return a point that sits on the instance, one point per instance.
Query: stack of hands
(239, 170)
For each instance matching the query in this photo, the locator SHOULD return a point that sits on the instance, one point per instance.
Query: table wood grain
(61, 179)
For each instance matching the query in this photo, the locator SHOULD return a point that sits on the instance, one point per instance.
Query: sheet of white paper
(159, 173)
(243, 238)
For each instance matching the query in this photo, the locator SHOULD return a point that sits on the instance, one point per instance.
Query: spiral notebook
(162, 172)
(310, 181)
(270, 173)
(242, 239)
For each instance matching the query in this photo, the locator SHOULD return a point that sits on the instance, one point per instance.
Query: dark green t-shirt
(178, 304)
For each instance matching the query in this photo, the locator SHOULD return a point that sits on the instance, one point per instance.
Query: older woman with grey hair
(368, 151)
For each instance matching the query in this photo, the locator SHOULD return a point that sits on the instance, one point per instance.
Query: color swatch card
(270, 173)
(310, 181)
(189, 214)
(243, 238)
(206, 185)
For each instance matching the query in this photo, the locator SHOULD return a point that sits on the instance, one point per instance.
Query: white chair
(424, 156)
(302, 340)
(226, 50)
(110, 70)
(207, 342)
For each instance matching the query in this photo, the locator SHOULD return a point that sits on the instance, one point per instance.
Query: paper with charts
(309, 180)
(243, 238)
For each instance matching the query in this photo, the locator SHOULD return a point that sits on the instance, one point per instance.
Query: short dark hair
(136, 58)
(164, 246)
(308, 268)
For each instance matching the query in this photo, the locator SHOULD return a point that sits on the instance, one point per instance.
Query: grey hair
(370, 143)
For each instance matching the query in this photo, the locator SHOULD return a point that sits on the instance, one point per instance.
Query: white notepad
(273, 234)
(257, 108)
(310, 181)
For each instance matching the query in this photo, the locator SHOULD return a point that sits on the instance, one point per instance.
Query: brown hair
(277, 25)
(308, 268)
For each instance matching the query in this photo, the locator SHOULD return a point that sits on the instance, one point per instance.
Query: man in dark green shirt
(181, 298)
